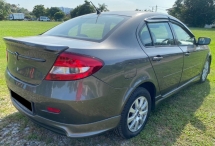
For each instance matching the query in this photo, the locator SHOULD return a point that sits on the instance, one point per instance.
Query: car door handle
(187, 54)
(157, 58)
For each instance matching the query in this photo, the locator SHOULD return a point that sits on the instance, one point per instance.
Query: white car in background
(44, 18)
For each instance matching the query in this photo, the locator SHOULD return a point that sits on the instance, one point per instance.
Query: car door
(194, 56)
(165, 56)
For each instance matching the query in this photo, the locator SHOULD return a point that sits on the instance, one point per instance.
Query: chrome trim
(18, 56)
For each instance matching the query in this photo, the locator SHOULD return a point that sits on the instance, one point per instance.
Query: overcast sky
(113, 5)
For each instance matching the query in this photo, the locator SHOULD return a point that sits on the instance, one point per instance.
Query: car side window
(183, 38)
(145, 36)
(161, 34)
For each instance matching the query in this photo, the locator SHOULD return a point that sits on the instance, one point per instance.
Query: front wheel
(135, 114)
(205, 71)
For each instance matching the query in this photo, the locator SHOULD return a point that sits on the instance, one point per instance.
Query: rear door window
(145, 36)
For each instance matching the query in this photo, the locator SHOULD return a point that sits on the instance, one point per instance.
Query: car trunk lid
(30, 60)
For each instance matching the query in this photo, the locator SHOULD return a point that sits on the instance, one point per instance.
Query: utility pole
(156, 8)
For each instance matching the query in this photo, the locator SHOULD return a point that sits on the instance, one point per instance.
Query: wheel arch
(149, 86)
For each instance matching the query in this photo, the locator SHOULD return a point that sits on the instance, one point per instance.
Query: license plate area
(22, 101)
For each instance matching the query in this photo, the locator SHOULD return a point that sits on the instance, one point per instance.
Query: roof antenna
(97, 10)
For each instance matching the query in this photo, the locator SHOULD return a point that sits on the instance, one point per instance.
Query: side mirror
(204, 41)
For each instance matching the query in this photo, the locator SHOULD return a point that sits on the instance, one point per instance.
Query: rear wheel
(135, 114)
(205, 71)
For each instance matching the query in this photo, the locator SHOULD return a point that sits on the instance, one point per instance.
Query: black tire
(205, 71)
(123, 127)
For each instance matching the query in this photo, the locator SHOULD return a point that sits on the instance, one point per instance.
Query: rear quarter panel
(125, 63)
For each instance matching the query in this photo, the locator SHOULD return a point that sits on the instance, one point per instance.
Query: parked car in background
(44, 18)
(99, 72)
(17, 16)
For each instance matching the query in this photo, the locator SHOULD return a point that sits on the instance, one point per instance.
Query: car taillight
(70, 66)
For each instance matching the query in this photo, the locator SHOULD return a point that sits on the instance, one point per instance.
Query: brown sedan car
(99, 72)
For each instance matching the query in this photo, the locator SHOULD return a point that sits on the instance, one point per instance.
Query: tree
(103, 7)
(146, 10)
(29, 17)
(59, 16)
(4, 10)
(52, 11)
(195, 13)
(67, 17)
(138, 10)
(13, 8)
(80, 10)
(39, 10)
(47, 12)
(86, 8)
(75, 12)
(177, 10)
(22, 10)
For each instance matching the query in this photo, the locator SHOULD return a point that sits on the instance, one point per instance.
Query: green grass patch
(15, 29)
(187, 118)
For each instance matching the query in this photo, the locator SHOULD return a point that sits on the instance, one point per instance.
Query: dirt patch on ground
(23, 132)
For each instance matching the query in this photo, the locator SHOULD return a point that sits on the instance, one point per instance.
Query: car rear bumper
(70, 130)
(88, 106)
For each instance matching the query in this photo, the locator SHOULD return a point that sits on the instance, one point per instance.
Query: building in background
(66, 10)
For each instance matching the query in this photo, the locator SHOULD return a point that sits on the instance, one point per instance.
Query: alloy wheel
(137, 114)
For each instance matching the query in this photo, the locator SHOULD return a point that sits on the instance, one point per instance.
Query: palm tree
(103, 7)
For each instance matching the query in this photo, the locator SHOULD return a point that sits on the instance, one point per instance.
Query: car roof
(132, 13)
(146, 15)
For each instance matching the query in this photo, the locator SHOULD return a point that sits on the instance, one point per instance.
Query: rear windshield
(92, 27)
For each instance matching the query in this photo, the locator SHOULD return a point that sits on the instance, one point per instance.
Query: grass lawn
(187, 118)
